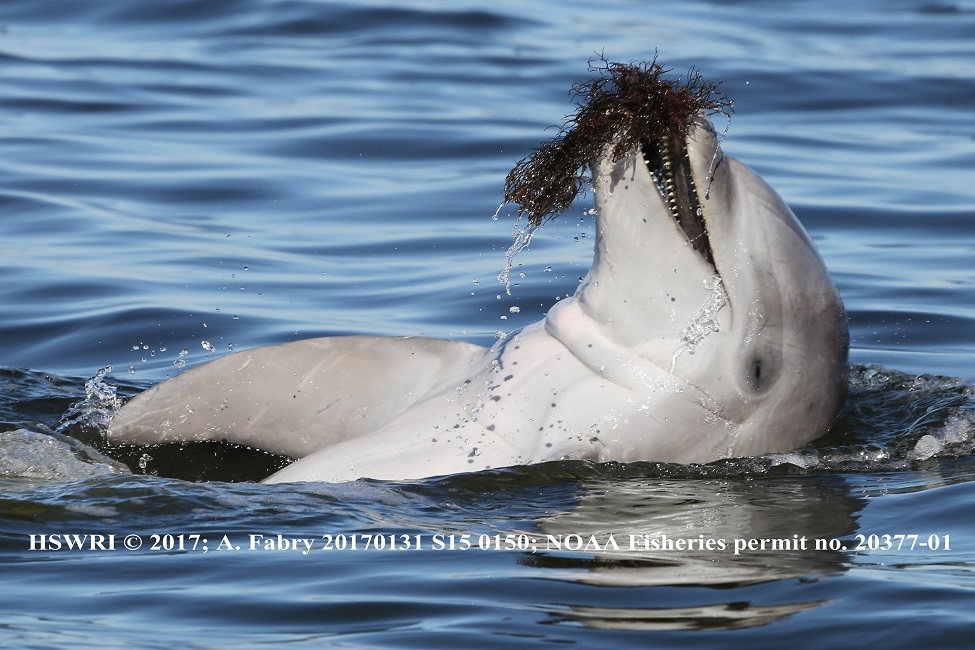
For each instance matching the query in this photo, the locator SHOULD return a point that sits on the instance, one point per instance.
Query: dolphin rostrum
(707, 328)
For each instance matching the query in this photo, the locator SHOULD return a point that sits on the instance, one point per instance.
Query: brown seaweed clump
(627, 105)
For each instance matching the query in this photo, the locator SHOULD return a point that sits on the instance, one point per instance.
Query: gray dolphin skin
(707, 328)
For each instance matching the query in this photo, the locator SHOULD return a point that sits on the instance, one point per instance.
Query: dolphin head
(702, 270)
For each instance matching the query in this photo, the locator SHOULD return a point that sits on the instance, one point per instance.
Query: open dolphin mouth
(669, 164)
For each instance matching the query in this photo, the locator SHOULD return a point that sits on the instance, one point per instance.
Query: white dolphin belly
(532, 400)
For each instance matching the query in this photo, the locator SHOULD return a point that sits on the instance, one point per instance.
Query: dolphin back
(295, 398)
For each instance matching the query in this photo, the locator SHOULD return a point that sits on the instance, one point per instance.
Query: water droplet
(207, 346)
(515, 310)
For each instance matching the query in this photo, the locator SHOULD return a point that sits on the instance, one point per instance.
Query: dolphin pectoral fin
(294, 398)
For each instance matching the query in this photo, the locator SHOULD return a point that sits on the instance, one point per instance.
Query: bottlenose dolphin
(707, 328)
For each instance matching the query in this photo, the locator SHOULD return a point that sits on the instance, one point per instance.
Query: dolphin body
(691, 339)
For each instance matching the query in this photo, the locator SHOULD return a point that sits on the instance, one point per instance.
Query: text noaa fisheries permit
(465, 541)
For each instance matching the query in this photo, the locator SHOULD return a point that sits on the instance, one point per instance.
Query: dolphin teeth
(669, 164)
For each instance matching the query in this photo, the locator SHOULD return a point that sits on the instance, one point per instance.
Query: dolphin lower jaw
(646, 280)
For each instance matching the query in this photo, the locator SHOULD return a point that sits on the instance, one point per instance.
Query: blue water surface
(180, 179)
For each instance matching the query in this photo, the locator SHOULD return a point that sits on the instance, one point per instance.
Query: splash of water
(522, 238)
(96, 410)
(704, 320)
